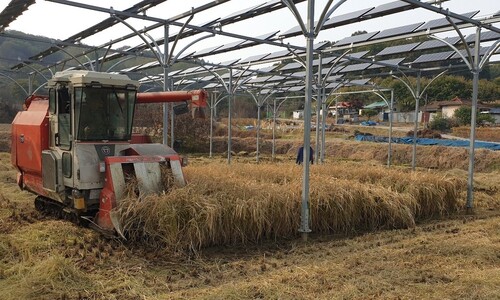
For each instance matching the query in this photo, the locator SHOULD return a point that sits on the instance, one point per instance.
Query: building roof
(438, 105)
(379, 104)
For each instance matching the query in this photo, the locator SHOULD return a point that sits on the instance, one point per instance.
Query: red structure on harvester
(75, 149)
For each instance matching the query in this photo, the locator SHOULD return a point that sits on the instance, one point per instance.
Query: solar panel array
(14, 9)
(287, 74)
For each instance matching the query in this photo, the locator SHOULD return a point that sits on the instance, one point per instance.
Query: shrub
(464, 113)
(441, 123)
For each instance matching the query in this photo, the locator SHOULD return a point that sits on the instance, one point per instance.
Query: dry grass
(4, 137)
(227, 205)
(450, 258)
(491, 134)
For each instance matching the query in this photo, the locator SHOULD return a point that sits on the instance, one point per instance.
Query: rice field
(231, 233)
(248, 203)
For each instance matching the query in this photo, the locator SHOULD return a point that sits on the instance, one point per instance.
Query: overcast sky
(61, 21)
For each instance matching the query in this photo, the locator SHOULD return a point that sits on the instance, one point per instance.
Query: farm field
(425, 247)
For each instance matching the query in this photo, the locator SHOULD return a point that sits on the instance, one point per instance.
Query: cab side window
(52, 101)
(64, 118)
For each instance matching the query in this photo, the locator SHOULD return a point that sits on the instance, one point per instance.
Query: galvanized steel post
(475, 86)
(304, 226)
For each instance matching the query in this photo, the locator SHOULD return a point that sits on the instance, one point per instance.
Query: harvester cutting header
(75, 148)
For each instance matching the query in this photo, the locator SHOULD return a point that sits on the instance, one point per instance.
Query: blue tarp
(428, 142)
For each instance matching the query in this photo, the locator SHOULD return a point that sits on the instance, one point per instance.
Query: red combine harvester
(75, 149)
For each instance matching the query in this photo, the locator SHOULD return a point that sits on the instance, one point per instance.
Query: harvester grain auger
(75, 150)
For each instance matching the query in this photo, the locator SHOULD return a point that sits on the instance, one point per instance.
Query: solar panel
(278, 54)
(485, 37)
(254, 58)
(296, 88)
(151, 64)
(324, 61)
(246, 73)
(356, 67)
(397, 49)
(150, 79)
(260, 79)
(333, 85)
(269, 85)
(212, 85)
(230, 62)
(334, 71)
(131, 69)
(291, 66)
(443, 22)
(226, 75)
(432, 57)
(206, 51)
(482, 51)
(206, 78)
(173, 73)
(397, 31)
(293, 82)
(358, 54)
(186, 54)
(359, 81)
(436, 43)
(344, 19)
(296, 30)
(388, 8)
(395, 62)
(299, 74)
(190, 70)
(211, 22)
(266, 36)
(230, 46)
(277, 78)
(334, 78)
(242, 12)
(184, 81)
(267, 69)
(251, 12)
(356, 38)
(320, 45)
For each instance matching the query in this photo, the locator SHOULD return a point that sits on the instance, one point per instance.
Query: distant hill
(12, 50)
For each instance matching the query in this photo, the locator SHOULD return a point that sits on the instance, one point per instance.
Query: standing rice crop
(246, 203)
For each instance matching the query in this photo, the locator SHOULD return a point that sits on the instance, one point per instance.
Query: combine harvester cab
(75, 150)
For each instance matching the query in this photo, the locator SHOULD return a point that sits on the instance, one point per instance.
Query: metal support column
(258, 130)
(304, 226)
(212, 102)
(319, 101)
(229, 117)
(165, 84)
(273, 152)
(475, 87)
(415, 127)
(391, 108)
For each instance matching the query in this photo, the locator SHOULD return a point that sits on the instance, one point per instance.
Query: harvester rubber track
(57, 210)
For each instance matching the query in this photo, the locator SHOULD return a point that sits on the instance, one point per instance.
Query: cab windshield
(104, 113)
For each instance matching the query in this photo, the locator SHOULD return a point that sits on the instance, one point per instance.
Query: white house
(298, 114)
